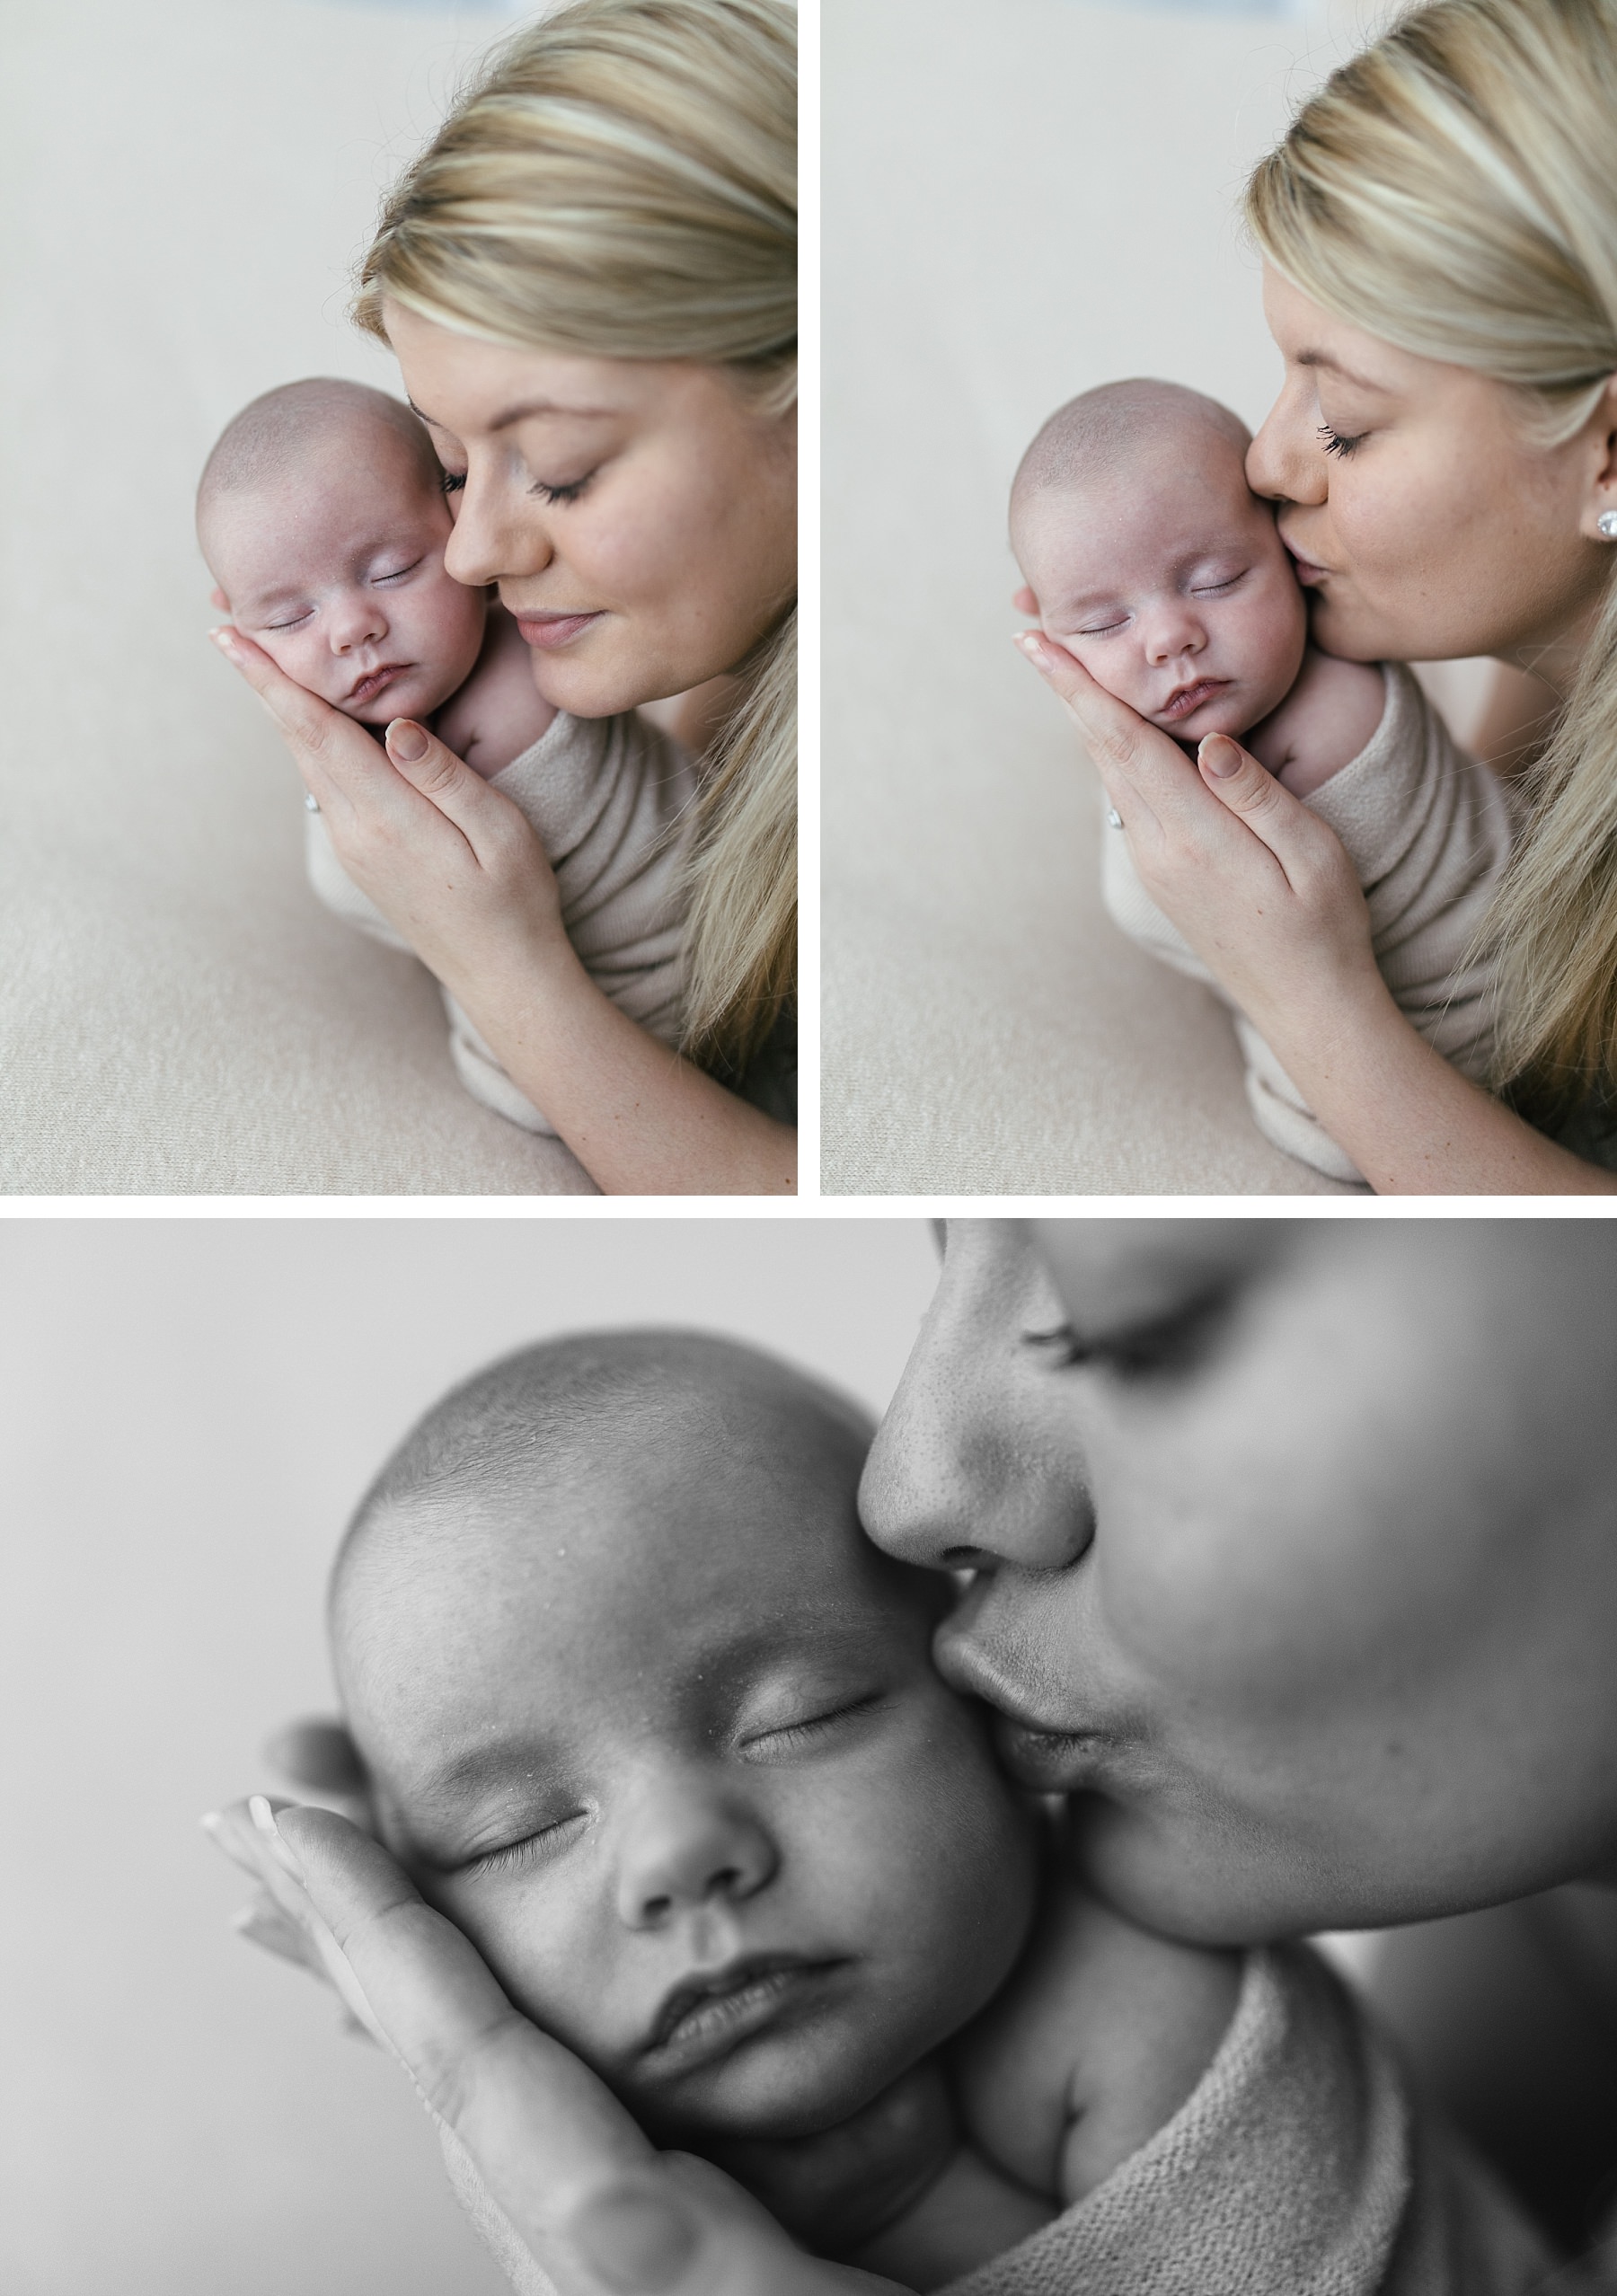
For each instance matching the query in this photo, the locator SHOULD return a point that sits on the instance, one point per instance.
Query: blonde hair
(1452, 190)
(621, 181)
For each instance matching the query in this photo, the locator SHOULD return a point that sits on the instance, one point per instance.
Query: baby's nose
(683, 1853)
(357, 621)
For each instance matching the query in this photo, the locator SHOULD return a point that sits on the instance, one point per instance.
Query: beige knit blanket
(1298, 2166)
(611, 799)
(1428, 833)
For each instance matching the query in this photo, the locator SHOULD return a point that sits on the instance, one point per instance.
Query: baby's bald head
(580, 1460)
(1097, 436)
(280, 440)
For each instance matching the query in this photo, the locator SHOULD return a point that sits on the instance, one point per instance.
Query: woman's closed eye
(1335, 443)
(1161, 1346)
(561, 491)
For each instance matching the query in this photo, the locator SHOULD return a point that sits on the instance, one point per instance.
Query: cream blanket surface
(1298, 2166)
(611, 799)
(1428, 833)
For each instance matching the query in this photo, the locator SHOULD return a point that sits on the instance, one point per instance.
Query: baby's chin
(775, 2086)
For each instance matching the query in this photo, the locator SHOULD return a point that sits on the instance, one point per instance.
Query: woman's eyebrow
(521, 413)
(1347, 373)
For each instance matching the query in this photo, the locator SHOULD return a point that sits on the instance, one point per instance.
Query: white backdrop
(191, 1407)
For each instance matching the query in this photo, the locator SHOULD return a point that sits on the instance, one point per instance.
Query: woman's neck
(694, 718)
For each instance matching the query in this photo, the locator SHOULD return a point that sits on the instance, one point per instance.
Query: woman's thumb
(1235, 777)
(422, 759)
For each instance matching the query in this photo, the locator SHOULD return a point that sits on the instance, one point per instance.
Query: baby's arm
(498, 712)
(1099, 2037)
(1329, 716)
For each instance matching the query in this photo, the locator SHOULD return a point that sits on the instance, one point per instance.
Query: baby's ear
(218, 600)
(1024, 601)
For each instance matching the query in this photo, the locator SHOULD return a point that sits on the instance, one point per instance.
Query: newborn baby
(322, 517)
(645, 1714)
(652, 1721)
(1156, 566)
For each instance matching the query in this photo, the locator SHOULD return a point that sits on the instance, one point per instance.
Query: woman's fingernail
(263, 1819)
(1031, 644)
(225, 639)
(406, 742)
(634, 2239)
(1220, 756)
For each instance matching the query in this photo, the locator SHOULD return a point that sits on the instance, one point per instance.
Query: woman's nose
(958, 1478)
(499, 531)
(1283, 463)
(687, 1848)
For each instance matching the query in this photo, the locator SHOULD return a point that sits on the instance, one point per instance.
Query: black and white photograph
(1057, 1753)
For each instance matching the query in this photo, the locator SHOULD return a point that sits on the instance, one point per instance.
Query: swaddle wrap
(1296, 2167)
(611, 799)
(1428, 833)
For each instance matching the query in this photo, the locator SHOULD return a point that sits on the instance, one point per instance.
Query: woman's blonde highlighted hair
(621, 181)
(1454, 190)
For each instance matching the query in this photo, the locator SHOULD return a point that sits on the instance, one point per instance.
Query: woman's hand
(448, 861)
(1259, 887)
(1266, 895)
(457, 868)
(561, 2185)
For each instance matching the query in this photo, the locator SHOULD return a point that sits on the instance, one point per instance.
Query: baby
(322, 517)
(1151, 562)
(644, 1713)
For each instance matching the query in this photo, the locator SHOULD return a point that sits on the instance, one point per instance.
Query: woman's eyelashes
(1336, 443)
(547, 489)
(569, 491)
(1161, 1345)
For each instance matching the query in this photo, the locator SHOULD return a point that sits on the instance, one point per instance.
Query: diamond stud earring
(1606, 525)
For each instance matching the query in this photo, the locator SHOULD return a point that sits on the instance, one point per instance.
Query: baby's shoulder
(1103, 2027)
(1330, 715)
(498, 712)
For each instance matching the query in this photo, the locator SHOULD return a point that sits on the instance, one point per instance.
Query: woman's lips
(549, 630)
(1190, 698)
(1050, 1761)
(1308, 571)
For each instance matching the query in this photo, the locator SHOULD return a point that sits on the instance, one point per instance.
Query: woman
(589, 280)
(1439, 230)
(1293, 1554)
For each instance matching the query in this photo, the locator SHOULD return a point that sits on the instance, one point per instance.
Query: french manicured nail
(1031, 644)
(1220, 756)
(263, 1819)
(406, 742)
(634, 2239)
(225, 639)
